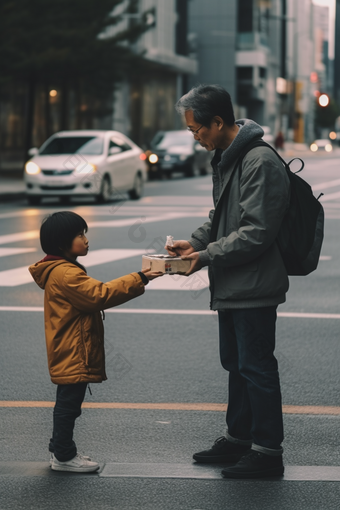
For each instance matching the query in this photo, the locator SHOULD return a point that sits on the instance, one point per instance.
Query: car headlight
(85, 169)
(153, 158)
(32, 168)
(313, 147)
(328, 148)
(183, 157)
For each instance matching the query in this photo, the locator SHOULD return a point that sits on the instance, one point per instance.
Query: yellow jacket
(73, 324)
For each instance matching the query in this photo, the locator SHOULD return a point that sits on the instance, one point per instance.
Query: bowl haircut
(58, 231)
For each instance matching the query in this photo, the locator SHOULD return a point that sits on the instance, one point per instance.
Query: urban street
(166, 393)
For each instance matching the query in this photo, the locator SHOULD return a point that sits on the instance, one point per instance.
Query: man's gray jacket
(245, 266)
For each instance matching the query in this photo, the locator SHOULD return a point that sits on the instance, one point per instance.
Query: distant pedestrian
(279, 141)
(74, 331)
(248, 279)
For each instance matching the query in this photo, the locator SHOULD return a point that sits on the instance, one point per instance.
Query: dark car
(177, 151)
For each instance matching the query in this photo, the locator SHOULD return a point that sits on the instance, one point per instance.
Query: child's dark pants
(67, 408)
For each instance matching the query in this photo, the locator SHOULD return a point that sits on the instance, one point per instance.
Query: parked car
(85, 163)
(321, 145)
(177, 151)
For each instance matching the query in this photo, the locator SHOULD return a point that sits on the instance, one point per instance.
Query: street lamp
(323, 100)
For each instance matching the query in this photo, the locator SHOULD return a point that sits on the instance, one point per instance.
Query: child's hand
(151, 275)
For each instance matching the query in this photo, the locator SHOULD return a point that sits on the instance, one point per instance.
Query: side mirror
(115, 150)
(34, 151)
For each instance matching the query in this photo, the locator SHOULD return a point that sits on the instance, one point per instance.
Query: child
(74, 329)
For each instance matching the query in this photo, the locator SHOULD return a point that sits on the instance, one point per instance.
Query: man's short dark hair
(58, 231)
(207, 102)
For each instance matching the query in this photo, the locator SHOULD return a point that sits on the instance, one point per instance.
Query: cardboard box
(166, 264)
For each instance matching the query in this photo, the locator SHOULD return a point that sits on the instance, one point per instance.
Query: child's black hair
(58, 231)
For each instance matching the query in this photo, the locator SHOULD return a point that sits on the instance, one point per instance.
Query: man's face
(208, 137)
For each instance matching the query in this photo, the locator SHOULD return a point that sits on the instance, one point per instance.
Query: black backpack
(301, 233)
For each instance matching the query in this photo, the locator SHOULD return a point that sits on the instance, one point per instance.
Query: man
(248, 279)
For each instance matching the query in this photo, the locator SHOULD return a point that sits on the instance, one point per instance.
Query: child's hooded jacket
(73, 323)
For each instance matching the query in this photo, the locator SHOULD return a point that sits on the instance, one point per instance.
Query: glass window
(245, 15)
(89, 145)
(245, 73)
(119, 143)
(167, 139)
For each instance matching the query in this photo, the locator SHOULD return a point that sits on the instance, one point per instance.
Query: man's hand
(196, 264)
(180, 248)
(151, 275)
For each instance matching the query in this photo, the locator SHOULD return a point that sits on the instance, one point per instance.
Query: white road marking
(34, 234)
(116, 209)
(21, 275)
(96, 257)
(19, 236)
(165, 311)
(199, 471)
(5, 252)
(331, 196)
(142, 219)
(325, 185)
(176, 200)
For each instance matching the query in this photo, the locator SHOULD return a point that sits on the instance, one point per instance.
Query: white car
(85, 163)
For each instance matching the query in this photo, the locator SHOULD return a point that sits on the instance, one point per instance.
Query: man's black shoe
(255, 465)
(222, 451)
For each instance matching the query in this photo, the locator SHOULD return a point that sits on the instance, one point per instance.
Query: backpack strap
(255, 143)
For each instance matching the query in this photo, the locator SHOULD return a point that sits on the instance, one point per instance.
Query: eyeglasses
(196, 131)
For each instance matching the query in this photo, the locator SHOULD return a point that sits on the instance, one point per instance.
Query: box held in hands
(166, 264)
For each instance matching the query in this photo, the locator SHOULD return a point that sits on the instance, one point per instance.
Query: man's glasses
(194, 132)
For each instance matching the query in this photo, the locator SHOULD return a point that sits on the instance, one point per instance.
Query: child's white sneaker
(52, 457)
(79, 464)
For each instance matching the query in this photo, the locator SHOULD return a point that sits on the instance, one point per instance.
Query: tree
(72, 43)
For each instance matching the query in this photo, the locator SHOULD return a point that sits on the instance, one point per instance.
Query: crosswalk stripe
(19, 236)
(21, 275)
(5, 252)
(331, 196)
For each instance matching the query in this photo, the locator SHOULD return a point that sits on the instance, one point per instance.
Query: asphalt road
(166, 391)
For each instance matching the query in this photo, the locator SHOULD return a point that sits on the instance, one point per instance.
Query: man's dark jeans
(247, 342)
(67, 408)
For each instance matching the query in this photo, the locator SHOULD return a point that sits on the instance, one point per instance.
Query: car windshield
(171, 138)
(90, 145)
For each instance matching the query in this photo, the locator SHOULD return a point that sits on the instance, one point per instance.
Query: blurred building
(262, 51)
(321, 38)
(337, 55)
(145, 103)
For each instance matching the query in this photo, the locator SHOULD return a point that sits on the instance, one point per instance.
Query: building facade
(262, 51)
(145, 103)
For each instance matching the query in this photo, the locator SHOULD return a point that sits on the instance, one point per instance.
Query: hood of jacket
(41, 270)
(224, 160)
(248, 132)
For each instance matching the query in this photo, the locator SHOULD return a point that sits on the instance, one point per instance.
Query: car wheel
(204, 170)
(34, 200)
(193, 170)
(105, 190)
(138, 188)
